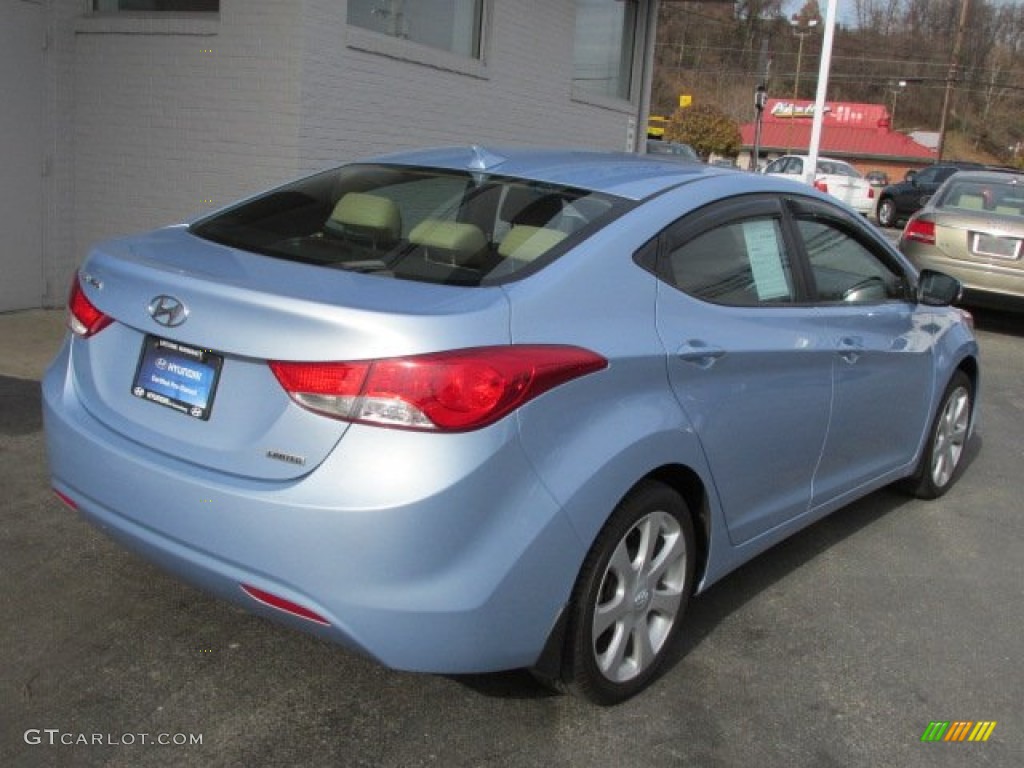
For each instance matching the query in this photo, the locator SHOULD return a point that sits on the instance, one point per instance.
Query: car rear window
(972, 194)
(838, 169)
(422, 224)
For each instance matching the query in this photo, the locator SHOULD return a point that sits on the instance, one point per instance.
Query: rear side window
(420, 224)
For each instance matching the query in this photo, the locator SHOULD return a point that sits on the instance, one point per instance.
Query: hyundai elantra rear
(464, 411)
(311, 403)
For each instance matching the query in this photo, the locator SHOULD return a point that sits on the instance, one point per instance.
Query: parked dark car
(898, 202)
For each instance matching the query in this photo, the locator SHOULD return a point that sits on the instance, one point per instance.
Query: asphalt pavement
(837, 648)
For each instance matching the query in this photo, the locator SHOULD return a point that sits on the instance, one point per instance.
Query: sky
(845, 13)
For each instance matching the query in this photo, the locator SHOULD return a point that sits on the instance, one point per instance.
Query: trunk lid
(243, 310)
(985, 237)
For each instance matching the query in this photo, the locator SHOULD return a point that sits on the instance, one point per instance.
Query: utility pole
(895, 91)
(800, 32)
(954, 64)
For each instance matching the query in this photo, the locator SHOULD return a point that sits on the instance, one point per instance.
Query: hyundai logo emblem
(168, 311)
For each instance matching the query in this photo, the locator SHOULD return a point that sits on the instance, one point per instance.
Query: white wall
(168, 117)
(360, 98)
(173, 117)
(22, 27)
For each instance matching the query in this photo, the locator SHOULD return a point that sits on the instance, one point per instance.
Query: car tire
(943, 457)
(887, 212)
(630, 596)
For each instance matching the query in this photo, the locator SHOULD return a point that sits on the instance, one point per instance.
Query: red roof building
(861, 134)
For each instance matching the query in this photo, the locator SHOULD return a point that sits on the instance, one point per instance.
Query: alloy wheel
(950, 436)
(640, 597)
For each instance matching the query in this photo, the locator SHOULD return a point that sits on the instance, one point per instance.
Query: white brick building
(114, 121)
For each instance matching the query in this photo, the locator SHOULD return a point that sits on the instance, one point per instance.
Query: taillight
(446, 391)
(821, 185)
(871, 193)
(921, 230)
(84, 319)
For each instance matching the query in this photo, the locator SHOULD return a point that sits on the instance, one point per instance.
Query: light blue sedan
(465, 410)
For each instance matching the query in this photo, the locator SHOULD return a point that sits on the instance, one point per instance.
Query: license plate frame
(178, 376)
(994, 247)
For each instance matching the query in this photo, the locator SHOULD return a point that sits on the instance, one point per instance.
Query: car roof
(990, 175)
(624, 174)
(820, 157)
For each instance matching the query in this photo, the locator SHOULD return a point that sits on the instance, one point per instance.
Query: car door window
(743, 263)
(845, 269)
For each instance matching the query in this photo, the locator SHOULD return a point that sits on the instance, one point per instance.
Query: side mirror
(935, 289)
(910, 175)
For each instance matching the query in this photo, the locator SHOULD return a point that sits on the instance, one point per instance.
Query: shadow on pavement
(704, 613)
(1004, 321)
(20, 406)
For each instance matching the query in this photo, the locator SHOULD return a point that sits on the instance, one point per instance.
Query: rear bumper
(416, 551)
(991, 279)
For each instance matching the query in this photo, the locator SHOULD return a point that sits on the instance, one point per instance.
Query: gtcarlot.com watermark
(55, 737)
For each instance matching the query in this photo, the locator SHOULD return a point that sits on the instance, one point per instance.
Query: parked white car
(837, 178)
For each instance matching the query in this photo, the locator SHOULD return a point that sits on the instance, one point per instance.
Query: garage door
(21, 150)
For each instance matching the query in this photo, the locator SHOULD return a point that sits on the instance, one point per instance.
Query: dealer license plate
(997, 247)
(178, 376)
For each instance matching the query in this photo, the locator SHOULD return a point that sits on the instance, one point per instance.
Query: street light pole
(819, 99)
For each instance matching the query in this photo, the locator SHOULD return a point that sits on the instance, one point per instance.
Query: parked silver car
(973, 228)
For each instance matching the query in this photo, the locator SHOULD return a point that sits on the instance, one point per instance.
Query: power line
(937, 64)
(929, 83)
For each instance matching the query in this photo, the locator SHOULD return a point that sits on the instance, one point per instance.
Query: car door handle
(850, 348)
(699, 353)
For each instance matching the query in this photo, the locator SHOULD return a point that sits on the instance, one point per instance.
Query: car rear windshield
(969, 193)
(835, 168)
(422, 224)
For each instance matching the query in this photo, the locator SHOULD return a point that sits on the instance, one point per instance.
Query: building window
(450, 25)
(206, 6)
(604, 47)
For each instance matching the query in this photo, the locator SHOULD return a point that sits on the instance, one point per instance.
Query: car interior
(491, 230)
(973, 196)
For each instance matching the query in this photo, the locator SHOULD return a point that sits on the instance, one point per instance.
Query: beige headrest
(524, 243)
(369, 211)
(460, 240)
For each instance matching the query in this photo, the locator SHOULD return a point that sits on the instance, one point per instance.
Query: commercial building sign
(789, 109)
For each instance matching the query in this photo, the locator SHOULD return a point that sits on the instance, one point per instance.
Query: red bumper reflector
(283, 605)
(66, 500)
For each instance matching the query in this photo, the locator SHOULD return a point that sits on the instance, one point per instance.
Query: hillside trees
(711, 52)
